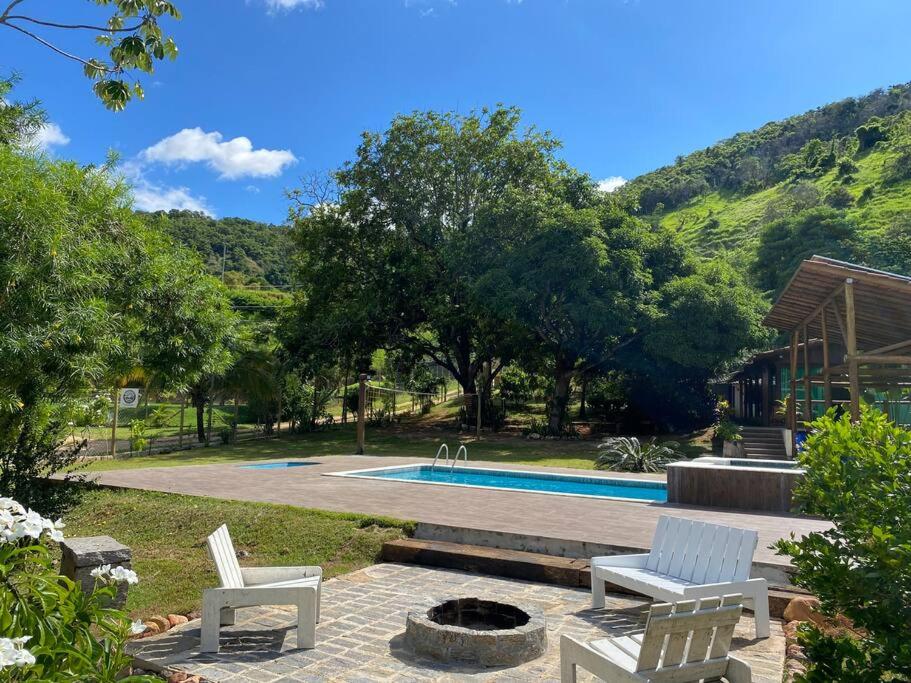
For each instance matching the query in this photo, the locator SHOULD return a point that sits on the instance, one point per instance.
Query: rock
(151, 628)
(794, 651)
(790, 631)
(177, 620)
(162, 623)
(178, 677)
(242, 554)
(803, 609)
(193, 615)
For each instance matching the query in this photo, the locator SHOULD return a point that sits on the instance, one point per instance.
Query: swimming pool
(518, 480)
(277, 465)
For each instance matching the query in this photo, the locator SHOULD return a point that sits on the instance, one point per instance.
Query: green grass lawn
(340, 440)
(167, 534)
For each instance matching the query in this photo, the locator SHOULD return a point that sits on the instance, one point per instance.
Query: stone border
(493, 648)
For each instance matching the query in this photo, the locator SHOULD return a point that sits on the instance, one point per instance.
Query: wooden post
(209, 421)
(766, 396)
(114, 424)
(807, 389)
(278, 416)
(361, 413)
(792, 399)
(183, 407)
(826, 373)
(851, 344)
(236, 413)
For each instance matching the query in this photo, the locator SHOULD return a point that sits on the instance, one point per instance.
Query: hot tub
(738, 483)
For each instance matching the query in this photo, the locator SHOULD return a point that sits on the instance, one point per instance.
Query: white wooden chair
(689, 560)
(254, 586)
(681, 643)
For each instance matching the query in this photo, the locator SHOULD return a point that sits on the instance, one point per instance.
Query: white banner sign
(129, 398)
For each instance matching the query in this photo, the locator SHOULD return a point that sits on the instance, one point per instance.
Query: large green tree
(422, 212)
(87, 294)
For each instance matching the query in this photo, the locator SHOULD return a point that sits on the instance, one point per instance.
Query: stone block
(80, 555)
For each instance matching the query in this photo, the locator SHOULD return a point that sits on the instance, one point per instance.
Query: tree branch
(103, 29)
(58, 50)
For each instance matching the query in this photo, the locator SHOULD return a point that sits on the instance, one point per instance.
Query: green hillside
(254, 253)
(836, 180)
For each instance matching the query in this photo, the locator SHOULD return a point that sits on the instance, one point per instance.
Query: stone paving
(360, 636)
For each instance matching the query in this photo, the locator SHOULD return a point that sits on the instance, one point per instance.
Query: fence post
(278, 418)
(361, 412)
(183, 407)
(209, 420)
(114, 424)
(236, 413)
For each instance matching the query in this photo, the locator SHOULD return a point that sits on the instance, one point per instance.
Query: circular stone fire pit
(478, 631)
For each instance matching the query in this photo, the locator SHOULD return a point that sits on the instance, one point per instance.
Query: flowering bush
(50, 629)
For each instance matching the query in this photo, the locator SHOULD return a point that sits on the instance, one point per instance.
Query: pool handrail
(462, 448)
(443, 447)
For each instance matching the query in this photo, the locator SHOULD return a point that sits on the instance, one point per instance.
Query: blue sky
(265, 91)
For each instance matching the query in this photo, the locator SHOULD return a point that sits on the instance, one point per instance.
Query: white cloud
(287, 5)
(252, 189)
(232, 159)
(612, 183)
(152, 196)
(50, 135)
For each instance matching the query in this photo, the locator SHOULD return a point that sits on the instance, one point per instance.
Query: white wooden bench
(254, 586)
(689, 560)
(681, 644)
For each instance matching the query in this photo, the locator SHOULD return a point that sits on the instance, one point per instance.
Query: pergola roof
(882, 303)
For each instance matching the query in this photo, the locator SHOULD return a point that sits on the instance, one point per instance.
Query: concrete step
(518, 564)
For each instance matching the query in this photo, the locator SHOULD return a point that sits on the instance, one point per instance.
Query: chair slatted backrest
(221, 550)
(689, 641)
(701, 552)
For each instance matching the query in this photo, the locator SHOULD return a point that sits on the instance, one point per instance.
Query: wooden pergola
(863, 317)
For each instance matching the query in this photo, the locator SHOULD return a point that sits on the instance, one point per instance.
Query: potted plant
(729, 434)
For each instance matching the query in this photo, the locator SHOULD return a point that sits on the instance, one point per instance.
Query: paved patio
(613, 522)
(360, 636)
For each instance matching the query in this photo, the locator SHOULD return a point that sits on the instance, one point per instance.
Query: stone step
(519, 564)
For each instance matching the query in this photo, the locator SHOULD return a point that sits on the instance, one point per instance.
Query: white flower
(32, 524)
(10, 504)
(101, 572)
(120, 574)
(13, 654)
(137, 627)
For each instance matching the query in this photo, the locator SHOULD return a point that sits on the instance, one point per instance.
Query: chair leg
(211, 623)
(306, 619)
(319, 598)
(228, 616)
(761, 612)
(597, 592)
(567, 663)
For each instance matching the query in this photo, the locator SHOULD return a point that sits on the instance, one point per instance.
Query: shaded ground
(360, 635)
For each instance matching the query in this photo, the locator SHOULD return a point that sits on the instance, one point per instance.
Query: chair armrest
(253, 576)
(708, 590)
(620, 561)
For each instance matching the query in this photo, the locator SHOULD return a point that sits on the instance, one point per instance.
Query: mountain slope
(853, 155)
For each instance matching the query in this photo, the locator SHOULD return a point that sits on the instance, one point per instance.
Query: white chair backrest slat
(668, 542)
(221, 549)
(655, 553)
(685, 557)
(703, 554)
(676, 639)
(748, 544)
(716, 554)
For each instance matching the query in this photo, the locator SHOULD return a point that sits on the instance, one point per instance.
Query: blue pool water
(523, 481)
(277, 465)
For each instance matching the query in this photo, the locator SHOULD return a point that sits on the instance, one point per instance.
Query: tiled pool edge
(529, 474)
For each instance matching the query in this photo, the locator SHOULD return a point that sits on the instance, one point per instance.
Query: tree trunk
(584, 392)
(200, 420)
(563, 374)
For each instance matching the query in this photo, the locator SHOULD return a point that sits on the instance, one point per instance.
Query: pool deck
(624, 524)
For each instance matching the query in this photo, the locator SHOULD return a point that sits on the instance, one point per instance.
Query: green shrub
(859, 477)
(627, 454)
(50, 630)
(727, 430)
(138, 440)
